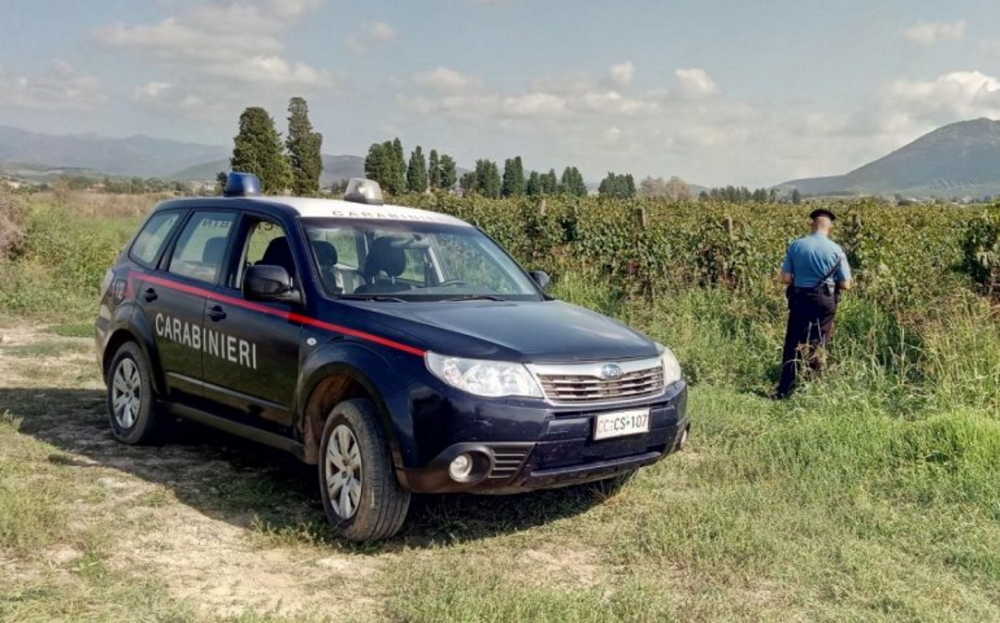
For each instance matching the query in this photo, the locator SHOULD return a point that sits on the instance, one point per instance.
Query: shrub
(11, 225)
(981, 251)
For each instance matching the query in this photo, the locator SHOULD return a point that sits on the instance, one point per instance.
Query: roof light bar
(360, 190)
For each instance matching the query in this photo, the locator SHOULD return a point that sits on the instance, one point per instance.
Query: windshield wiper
(477, 297)
(372, 297)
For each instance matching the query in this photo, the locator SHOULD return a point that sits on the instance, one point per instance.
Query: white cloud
(370, 35)
(150, 90)
(929, 33)
(60, 87)
(380, 31)
(239, 42)
(695, 82)
(534, 105)
(950, 97)
(623, 73)
(613, 103)
(272, 70)
(444, 79)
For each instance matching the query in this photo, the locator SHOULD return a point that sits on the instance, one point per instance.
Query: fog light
(460, 467)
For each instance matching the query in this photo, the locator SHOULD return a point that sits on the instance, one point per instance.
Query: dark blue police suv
(398, 350)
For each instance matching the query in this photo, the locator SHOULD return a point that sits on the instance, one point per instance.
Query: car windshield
(413, 261)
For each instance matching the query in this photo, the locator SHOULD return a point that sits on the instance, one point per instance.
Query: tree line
(742, 194)
(386, 164)
(293, 164)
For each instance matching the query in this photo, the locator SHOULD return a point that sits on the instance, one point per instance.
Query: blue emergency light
(241, 185)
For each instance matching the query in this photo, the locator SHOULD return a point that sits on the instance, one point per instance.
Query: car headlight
(671, 367)
(484, 377)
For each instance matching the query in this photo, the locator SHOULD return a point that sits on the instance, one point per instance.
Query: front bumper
(564, 452)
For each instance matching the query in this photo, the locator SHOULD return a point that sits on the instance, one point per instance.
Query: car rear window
(150, 240)
(201, 247)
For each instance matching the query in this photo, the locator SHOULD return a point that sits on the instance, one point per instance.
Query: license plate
(621, 423)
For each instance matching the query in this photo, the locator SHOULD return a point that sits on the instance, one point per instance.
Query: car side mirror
(541, 278)
(266, 282)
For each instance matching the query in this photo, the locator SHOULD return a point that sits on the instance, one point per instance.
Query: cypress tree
(468, 182)
(258, 149)
(434, 171)
(398, 168)
(575, 186)
(416, 173)
(448, 173)
(507, 187)
(375, 164)
(304, 149)
(513, 178)
(534, 185)
(550, 183)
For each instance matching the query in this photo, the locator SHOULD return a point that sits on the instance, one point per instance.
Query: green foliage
(513, 178)
(434, 171)
(416, 173)
(571, 182)
(304, 149)
(398, 185)
(60, 265)
(742, 194)
(617, 186)
(449, 172)
(484, 181)
(258, 149)
(981, 251)
(385, 164)
(12, 216)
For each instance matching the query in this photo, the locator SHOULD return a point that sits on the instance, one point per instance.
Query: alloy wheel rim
(343, 471)
(126, 393)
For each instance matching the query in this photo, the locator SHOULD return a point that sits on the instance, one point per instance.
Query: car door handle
(150, 295)
(217, 313)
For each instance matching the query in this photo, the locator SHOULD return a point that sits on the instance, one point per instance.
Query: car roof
(310, 207)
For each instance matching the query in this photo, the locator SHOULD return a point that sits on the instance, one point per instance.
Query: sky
(716, 92)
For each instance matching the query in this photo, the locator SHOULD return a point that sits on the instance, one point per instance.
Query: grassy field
(874, 494)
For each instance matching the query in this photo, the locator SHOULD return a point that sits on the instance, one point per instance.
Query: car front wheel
(361, 496)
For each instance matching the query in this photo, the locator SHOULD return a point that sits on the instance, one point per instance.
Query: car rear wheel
(131, 410)
(361, 496)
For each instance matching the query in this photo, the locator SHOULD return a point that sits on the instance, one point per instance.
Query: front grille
(508, 459)
(570, 388)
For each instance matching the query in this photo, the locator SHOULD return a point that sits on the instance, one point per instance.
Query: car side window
(265, 243)
(201, 247)
(154, 234)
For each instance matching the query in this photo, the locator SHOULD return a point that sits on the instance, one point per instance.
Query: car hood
(536, 331)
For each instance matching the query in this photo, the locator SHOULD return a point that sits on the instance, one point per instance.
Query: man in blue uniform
(816, 271)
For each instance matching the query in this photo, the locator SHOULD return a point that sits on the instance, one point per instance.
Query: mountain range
(335, 168)
(32, 154)
(957, 160)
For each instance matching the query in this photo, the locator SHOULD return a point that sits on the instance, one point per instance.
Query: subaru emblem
(611, 372)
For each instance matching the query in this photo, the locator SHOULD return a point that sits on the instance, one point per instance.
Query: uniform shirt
(811, 257)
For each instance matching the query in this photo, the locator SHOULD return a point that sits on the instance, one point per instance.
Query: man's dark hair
(815, 214)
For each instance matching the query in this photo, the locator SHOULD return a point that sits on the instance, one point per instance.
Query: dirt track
(224, 526)
(174, 511)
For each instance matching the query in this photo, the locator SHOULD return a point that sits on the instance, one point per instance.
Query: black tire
(379, 510)
(141, 424)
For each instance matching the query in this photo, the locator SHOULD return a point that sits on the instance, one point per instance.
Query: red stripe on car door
(265, 309)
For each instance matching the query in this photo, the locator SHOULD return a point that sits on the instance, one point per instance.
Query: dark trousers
(811, 313)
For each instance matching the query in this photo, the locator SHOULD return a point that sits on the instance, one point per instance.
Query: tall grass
(56, 270)
(873, 494)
